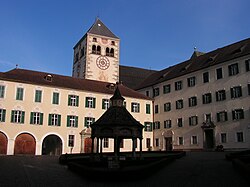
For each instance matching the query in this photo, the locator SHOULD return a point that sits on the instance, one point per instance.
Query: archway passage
(87, 145)
(25, 144)
(3, 144)
(52, 145)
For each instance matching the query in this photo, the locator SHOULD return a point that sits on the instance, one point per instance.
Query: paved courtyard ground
(195, 169)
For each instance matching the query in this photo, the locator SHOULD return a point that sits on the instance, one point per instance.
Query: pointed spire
(117, 99)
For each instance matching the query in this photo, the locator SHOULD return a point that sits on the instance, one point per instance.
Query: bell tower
(96, 55)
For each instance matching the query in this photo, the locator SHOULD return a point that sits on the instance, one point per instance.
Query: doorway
(25, 144)
(168, 144)
(52, 145)
(209, 138)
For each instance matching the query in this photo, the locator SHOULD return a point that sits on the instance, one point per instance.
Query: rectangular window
(55, 99)
(156, 109)
(219, 74)
(157, 142)
(36, 118)
(157, 125)
(205, 77)
(194, 140)
(167, 107)
(178, 85)
(71, 141)
(236, 92)
(2, 90)
(180, 141)
(179, 104)
(191, 81)
(17, 116)
(105, 142)
(223, 137)
(148, 143)
(240, 137)
(72, 121)
(148, 126)
(208, 118)
(238, 114)
(90, 102)
(167, 124)
(233, 69)
(73, 100)
(54, 120)
(156, 92)
(221, 95)
(221, 116)
(135, 107)
(179, 122)
(19, 94)
(192, 101)
(193, 120)
(147, 108)
(166, 89)
(247, 63)
(38, 96)
(2, 115)
(105, 104)
(88, 121)
(207, 98)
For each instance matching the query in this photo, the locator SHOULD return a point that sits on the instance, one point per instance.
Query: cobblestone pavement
(195, 169)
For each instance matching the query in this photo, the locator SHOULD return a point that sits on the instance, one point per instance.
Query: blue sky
(40, 34)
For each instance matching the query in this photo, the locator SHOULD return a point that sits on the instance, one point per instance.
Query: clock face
(102, 62)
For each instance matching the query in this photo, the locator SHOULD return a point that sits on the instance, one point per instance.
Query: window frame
(55, 98)
(219, 73)
(179, 104)
(191, 81)
(206, 77)
(220, 95)
(19, 93)
(36, 118)
(236, 92)
(90, 102)
(192, 101)
(2, 115)
(178, 85)
(135, 107)
(54, 120)
(167, 124)
(38, 96)
(71, 140)
(2, 91)
(207, 98)
(193, 120)
(222, 116)
(233, 69)
(166, 88)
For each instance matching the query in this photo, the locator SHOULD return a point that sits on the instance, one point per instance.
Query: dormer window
(94, 40)
(48, 78)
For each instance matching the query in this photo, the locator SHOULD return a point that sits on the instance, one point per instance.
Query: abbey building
(194, 105)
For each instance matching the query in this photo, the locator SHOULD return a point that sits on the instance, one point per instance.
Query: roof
(99, 28)
(60, 81)
(132, 77)
(198, 62)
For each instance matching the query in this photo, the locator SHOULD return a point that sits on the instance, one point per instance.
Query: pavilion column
(101, 146)
(92, 146)
(140, 147)
(133, 149)
(97, 145)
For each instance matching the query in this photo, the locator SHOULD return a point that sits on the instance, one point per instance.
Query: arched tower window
(112, 52)
(94, 49)
(107, 52)
(98, 51)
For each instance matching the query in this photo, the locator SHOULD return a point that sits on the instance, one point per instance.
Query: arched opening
(94, 49)
(3, 144)
(107, 52)
(112, 52)
(87, 145)
(25, 144)
(98, 50)
(52, 145)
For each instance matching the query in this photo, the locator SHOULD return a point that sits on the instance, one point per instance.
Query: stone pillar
(38, 148)
(10, 147)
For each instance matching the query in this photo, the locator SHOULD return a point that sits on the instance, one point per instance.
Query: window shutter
(23, 115)
(103, 104)
(242, 114)
(93, 120)
(77, 100)
(151, 126)
(233, 114)
(76, 121)
(217, 96)
(4, 113)
(59, 120)
(170, 123)
(203, 99)
(189, 101)
(69, 99)
(210, 98)
(12, 116)
(68, 121)
(94, 101)
(31, 117)
(240, 91)
(50, 118)
(225, 116)
(190, 122)
(86, 101)
(232, 92)
(41, 119)
(85, 122)
(196, 120)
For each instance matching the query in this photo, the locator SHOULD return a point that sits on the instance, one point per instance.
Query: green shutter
(12, 116)
(50, 118)
(94, 101)
(77, 100)
(3, 117)
(41, 119)
(23, 115)
(76, 121)
(138, 107)
(86, 102)
(59, 120)
(103, 103)
(93, 120)
(68, 121)
(85, 122)
(31, 117)
(151, 126)
(69, 99)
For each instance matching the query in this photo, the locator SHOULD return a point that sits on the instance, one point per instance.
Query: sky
(154, 34)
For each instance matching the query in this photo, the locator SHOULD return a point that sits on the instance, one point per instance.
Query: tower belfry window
(98, 50)
(94, 49)
(94, 40)
(107, 52)
(112, 52)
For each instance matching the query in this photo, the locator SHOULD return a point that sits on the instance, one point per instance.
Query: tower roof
(99, 28)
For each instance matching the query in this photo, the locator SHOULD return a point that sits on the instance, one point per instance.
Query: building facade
(204, 101)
